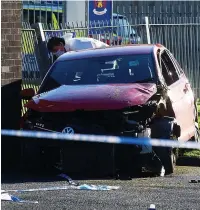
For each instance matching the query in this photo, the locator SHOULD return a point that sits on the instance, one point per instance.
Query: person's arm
(72, 45)
(99, 44)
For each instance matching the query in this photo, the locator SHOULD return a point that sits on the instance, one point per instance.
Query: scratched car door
(176, 92)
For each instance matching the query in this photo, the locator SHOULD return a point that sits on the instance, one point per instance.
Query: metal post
(147, 30)
(64, 18)
(43, 56)
(41, 32)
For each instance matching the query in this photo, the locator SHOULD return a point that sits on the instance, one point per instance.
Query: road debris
(162, 172)
(71, 187)
(7, 197)
(152, 207)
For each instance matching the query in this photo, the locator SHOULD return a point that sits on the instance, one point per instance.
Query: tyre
(196, 114)
(196, 136)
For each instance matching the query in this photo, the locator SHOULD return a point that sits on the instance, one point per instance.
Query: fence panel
(30, 67)
(183, 41)
(42, 11)
(31, 76)
(158, 11)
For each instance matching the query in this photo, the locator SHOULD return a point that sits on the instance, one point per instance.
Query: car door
(188, 96)
(179, 94)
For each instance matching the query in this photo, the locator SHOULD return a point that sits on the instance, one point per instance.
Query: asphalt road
(170, 192)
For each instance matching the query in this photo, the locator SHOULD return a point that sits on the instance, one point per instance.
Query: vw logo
(68, 130)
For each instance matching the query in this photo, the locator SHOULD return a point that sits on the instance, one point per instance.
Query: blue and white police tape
(70, 187)
(102, 139)
(7, 197)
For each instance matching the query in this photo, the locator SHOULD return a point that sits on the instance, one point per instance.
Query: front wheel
(196, 136)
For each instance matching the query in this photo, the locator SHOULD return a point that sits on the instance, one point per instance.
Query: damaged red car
(135, 91)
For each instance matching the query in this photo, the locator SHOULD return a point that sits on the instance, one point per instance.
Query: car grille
(109, 122)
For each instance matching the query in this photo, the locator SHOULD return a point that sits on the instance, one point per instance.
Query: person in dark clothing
(56, 46)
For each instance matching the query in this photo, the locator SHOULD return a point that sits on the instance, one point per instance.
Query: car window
(178, 67)
(168, 69)
(100, 70)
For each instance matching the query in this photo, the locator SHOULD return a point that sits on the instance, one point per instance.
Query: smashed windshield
(100, 70)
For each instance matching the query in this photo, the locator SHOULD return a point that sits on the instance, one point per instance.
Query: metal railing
(184, 42)
(30, 56)
(31, 76)
(42, 11)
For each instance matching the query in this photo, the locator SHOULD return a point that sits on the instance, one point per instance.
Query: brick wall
(10, 41)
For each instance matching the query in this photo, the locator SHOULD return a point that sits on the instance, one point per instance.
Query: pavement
(169, 192)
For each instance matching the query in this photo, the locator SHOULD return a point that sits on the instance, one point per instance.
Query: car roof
(108, 51)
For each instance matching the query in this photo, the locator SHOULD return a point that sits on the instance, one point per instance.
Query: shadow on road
(20, 176)
(188, 161)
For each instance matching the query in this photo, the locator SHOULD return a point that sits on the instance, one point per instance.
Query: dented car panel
(183, 104)
(92, 97)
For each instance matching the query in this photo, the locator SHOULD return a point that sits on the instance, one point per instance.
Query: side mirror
(27, 94)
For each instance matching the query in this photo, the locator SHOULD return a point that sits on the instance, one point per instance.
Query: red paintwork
(92, 97)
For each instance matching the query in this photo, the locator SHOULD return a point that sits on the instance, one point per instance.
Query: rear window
(100, 70)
